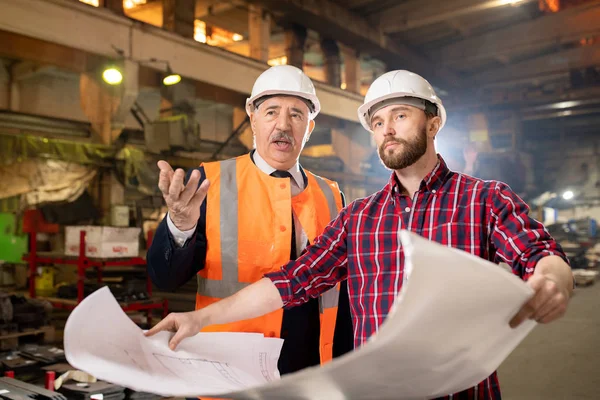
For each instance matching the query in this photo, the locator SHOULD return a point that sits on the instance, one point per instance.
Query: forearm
(557, 270)
(253, 301)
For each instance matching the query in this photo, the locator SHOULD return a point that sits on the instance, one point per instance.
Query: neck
(410, 178)
(277, 165)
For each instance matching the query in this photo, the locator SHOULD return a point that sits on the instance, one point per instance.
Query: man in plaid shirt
(485, 218)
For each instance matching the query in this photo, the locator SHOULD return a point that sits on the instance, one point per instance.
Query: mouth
(282, 144)
(391, 144)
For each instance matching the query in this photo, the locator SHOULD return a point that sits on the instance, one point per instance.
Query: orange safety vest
(248, 230)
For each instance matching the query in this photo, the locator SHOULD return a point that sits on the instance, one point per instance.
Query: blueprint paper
(448, 331)
(102, 340)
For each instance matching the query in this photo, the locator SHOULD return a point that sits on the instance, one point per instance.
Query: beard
(409, 154)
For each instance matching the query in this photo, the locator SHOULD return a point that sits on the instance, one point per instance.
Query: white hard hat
(286, 80)
(396, 84)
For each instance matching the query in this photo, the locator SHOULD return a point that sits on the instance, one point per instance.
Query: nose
(283, 121)
(388, 128)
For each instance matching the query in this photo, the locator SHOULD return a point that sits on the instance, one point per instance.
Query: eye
(400, 116)
(271, 112)
(378, 124)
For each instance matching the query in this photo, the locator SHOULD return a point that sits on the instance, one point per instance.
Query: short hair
(260, 100)
(431, 110)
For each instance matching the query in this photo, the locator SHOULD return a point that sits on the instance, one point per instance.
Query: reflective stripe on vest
(330, 298)
(326, 189)
(229, 238)
(228, 196)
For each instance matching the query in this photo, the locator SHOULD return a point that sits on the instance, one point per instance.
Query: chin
(286, 154)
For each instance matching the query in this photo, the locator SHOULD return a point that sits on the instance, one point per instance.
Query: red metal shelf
(83, 262)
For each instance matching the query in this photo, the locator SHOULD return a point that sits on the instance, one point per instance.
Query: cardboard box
(103, 241)
(93, 240)
(120, 242)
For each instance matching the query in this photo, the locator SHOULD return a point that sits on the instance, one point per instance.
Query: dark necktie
(286, 174)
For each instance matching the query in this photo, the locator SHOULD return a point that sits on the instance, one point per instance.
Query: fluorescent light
(112, 76)
(568, 195)
(172, 79)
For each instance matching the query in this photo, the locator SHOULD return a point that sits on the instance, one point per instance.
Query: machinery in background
(169, 133)
(579, 239)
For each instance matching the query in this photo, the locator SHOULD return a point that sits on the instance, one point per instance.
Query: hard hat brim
(312, 98)
(363, 110)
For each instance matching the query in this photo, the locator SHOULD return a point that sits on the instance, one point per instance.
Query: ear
(311, 127)
(253, 123)
(433, 126)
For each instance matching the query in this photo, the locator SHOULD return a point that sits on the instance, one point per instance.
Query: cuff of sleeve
(283, 285)
(180, 237)
(529, 266)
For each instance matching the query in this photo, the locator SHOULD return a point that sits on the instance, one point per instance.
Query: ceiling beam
(574, 23)
(202, 8)
(562, 105)
(152, 12)
(417, 13)
(357, 3)
(207, 8)
(454, 24)
(56, 20)
(231, 14)
(23, 70)
(561, 114)
(520, 98)
(579, 57)
(18, 47)
(338, 23)
(581, 125)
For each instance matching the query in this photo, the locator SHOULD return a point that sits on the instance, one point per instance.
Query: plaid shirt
(484, 218)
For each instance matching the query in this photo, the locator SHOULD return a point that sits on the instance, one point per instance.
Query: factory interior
(94, 93)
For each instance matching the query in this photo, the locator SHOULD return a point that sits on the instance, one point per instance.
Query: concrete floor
(561, 360)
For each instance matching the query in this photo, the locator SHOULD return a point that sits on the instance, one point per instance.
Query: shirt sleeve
(518, 239)
(180, 237)
(320, 268)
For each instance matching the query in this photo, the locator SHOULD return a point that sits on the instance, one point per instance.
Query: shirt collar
(295, 171)
(433, 181)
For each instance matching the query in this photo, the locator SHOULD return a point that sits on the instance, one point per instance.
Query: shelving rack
(83, 262)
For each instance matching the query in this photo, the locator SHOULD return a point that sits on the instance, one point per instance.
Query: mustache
(392, 140)
(282, 136)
